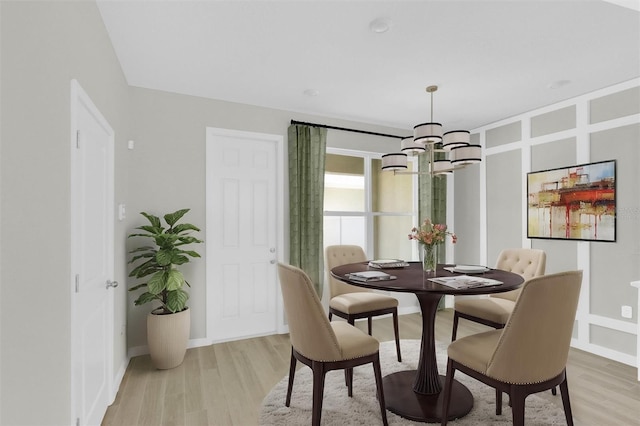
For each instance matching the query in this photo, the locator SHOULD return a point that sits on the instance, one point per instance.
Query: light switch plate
(122, 212)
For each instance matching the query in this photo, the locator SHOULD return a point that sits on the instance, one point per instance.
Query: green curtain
(307, 153)
(432, 199)
(432, 195)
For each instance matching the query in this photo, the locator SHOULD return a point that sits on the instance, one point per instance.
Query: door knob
(113, 284)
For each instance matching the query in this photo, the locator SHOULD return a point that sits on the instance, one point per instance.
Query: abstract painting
(573, 203)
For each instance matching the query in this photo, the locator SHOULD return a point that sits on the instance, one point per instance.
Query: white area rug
(363, 408)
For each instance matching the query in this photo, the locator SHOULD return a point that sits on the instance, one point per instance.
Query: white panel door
(242, 234)
(92, 260)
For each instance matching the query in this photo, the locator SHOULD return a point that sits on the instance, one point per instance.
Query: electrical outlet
(626, 311)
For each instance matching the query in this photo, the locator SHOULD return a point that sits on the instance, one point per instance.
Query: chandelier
(428, 138)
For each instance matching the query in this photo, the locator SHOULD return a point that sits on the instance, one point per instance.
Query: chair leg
(318, 391)
(553, 391)
(395, 330)
(498, 402)
(369, 328)
(446, 392)
(517, 396)
(347, 381)
(564, 391)
(330, 315)
(455, 326)
(349, 377)
(377, 372)
(292, 373)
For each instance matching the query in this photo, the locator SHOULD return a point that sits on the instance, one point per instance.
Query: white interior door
(92, 259)
(243, 225)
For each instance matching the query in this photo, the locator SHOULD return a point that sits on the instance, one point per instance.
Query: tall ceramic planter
(167, 337)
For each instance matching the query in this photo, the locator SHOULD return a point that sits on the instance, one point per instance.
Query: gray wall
(600, 126)
(169, 130)
(43, 46)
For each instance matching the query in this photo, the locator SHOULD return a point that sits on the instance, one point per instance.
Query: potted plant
(168, 325)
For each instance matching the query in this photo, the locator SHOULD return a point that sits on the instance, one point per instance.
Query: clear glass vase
(429, 257)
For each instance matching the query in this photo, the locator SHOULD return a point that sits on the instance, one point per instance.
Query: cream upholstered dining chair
(529, 354)
(494, 310)
(323, 345)
(351, 302)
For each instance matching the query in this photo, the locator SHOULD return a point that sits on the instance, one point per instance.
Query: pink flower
(430, 234)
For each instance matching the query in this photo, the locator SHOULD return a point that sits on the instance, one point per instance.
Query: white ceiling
(490, 59)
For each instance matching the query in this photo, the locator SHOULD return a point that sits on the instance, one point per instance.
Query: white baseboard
(117, 380)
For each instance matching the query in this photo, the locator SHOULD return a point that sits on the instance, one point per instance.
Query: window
(367, 207)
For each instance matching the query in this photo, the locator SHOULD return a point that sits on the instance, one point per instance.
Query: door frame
(212, 154)
(80, 99)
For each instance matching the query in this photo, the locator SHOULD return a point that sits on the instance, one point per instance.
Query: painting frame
(573, 203)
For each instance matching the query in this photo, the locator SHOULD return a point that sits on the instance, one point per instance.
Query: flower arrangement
(431, 233)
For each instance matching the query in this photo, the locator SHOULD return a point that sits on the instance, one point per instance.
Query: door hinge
(77, 283)
(78, 139)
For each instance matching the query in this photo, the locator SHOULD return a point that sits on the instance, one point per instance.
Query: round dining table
(416, 394)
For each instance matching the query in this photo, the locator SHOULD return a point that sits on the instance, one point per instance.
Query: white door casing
(244, 233)
(92, 260)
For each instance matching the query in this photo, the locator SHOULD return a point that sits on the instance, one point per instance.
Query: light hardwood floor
(224, 384)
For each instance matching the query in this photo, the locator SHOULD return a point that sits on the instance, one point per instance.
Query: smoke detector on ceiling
(380, 25)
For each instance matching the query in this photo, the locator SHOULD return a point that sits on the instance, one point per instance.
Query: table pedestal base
(400, 399)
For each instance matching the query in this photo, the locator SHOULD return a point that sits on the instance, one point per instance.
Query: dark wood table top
(412, 279)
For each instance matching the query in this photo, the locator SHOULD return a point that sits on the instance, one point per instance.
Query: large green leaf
(164, 257)
(172, 218)
(152, 230)
(143, 256)
(190, 253)
(175, 280)
(145, 298)
(184, 227)
(154, 220)
(147, 268)
(176, 300)
(158, 282)
(136, 287)
(179, 259)
(187, 239)
(143, 248)
(166, 240)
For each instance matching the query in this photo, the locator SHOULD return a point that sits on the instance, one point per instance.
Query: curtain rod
(344, 129)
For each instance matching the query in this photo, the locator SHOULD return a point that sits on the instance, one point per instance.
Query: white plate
(470, 269)
(385, 261)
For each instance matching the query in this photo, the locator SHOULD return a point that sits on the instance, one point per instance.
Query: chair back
(309, 330)
(528, 263)
(341, 255)
(534, 345)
